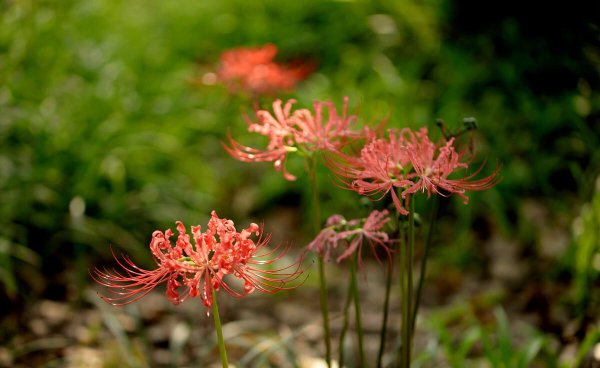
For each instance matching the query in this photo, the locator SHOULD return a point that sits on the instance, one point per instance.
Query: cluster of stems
(410, 290)
(409, 296)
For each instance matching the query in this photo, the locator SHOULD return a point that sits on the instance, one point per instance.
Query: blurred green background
(105, 136)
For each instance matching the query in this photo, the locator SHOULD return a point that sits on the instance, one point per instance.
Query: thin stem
(349, 297)
(215, 311)
(359, 329)
(316, 217)
(386, 307)
(403, 301)
(314, 191)
(400, 258)
(325, 310)
(428, 241)
(409, 271)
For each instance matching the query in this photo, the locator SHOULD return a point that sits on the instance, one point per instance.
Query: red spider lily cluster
(300, 130)
(410, 161)
(353, 234)
(199, 268)
(401, 162)
(404, 159)
(253, 69)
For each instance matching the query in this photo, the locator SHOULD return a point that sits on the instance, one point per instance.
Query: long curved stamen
(220, 251)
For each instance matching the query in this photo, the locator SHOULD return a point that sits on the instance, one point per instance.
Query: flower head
(353, 234)
(434, 163)
(381, 166)
(193, 270)
(409, 162)
(278, 128)
(297, 131)
(253, 69)
(314, 133)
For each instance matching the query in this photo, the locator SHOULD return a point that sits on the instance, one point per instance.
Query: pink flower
(327, 238)
(433, 164)
(371, 232)
(194, 270)
(317, 134)
(280, 131)
(409, 161)
(353, 235)
(382, 165)
(253, 69)
(300, 130)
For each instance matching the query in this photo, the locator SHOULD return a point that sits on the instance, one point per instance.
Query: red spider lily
(433, 164)
(381, 166)
(297, 131)
(410, 161)
(326, 239)
(351, 233)
(319, 135)
(280, 131)
(198, 268)
(253, 69)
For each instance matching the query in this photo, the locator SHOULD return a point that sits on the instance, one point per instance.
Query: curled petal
(221, 253)
(131, 285)
(352, 236)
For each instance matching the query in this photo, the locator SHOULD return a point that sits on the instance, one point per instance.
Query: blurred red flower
(253, 69)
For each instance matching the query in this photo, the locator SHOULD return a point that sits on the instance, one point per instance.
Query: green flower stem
(409, 271)
(386, 307)
(316, 217)
(403, 300)
(359, 329)
(215, 311)
(428, 240)
(325, 310)
(407, 246)
(349, 298)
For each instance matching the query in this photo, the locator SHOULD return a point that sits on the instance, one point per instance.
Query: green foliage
(498, 345)
(588, 345)
(586, 230)
(501, 352)
(89, 140)
(501, 344)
